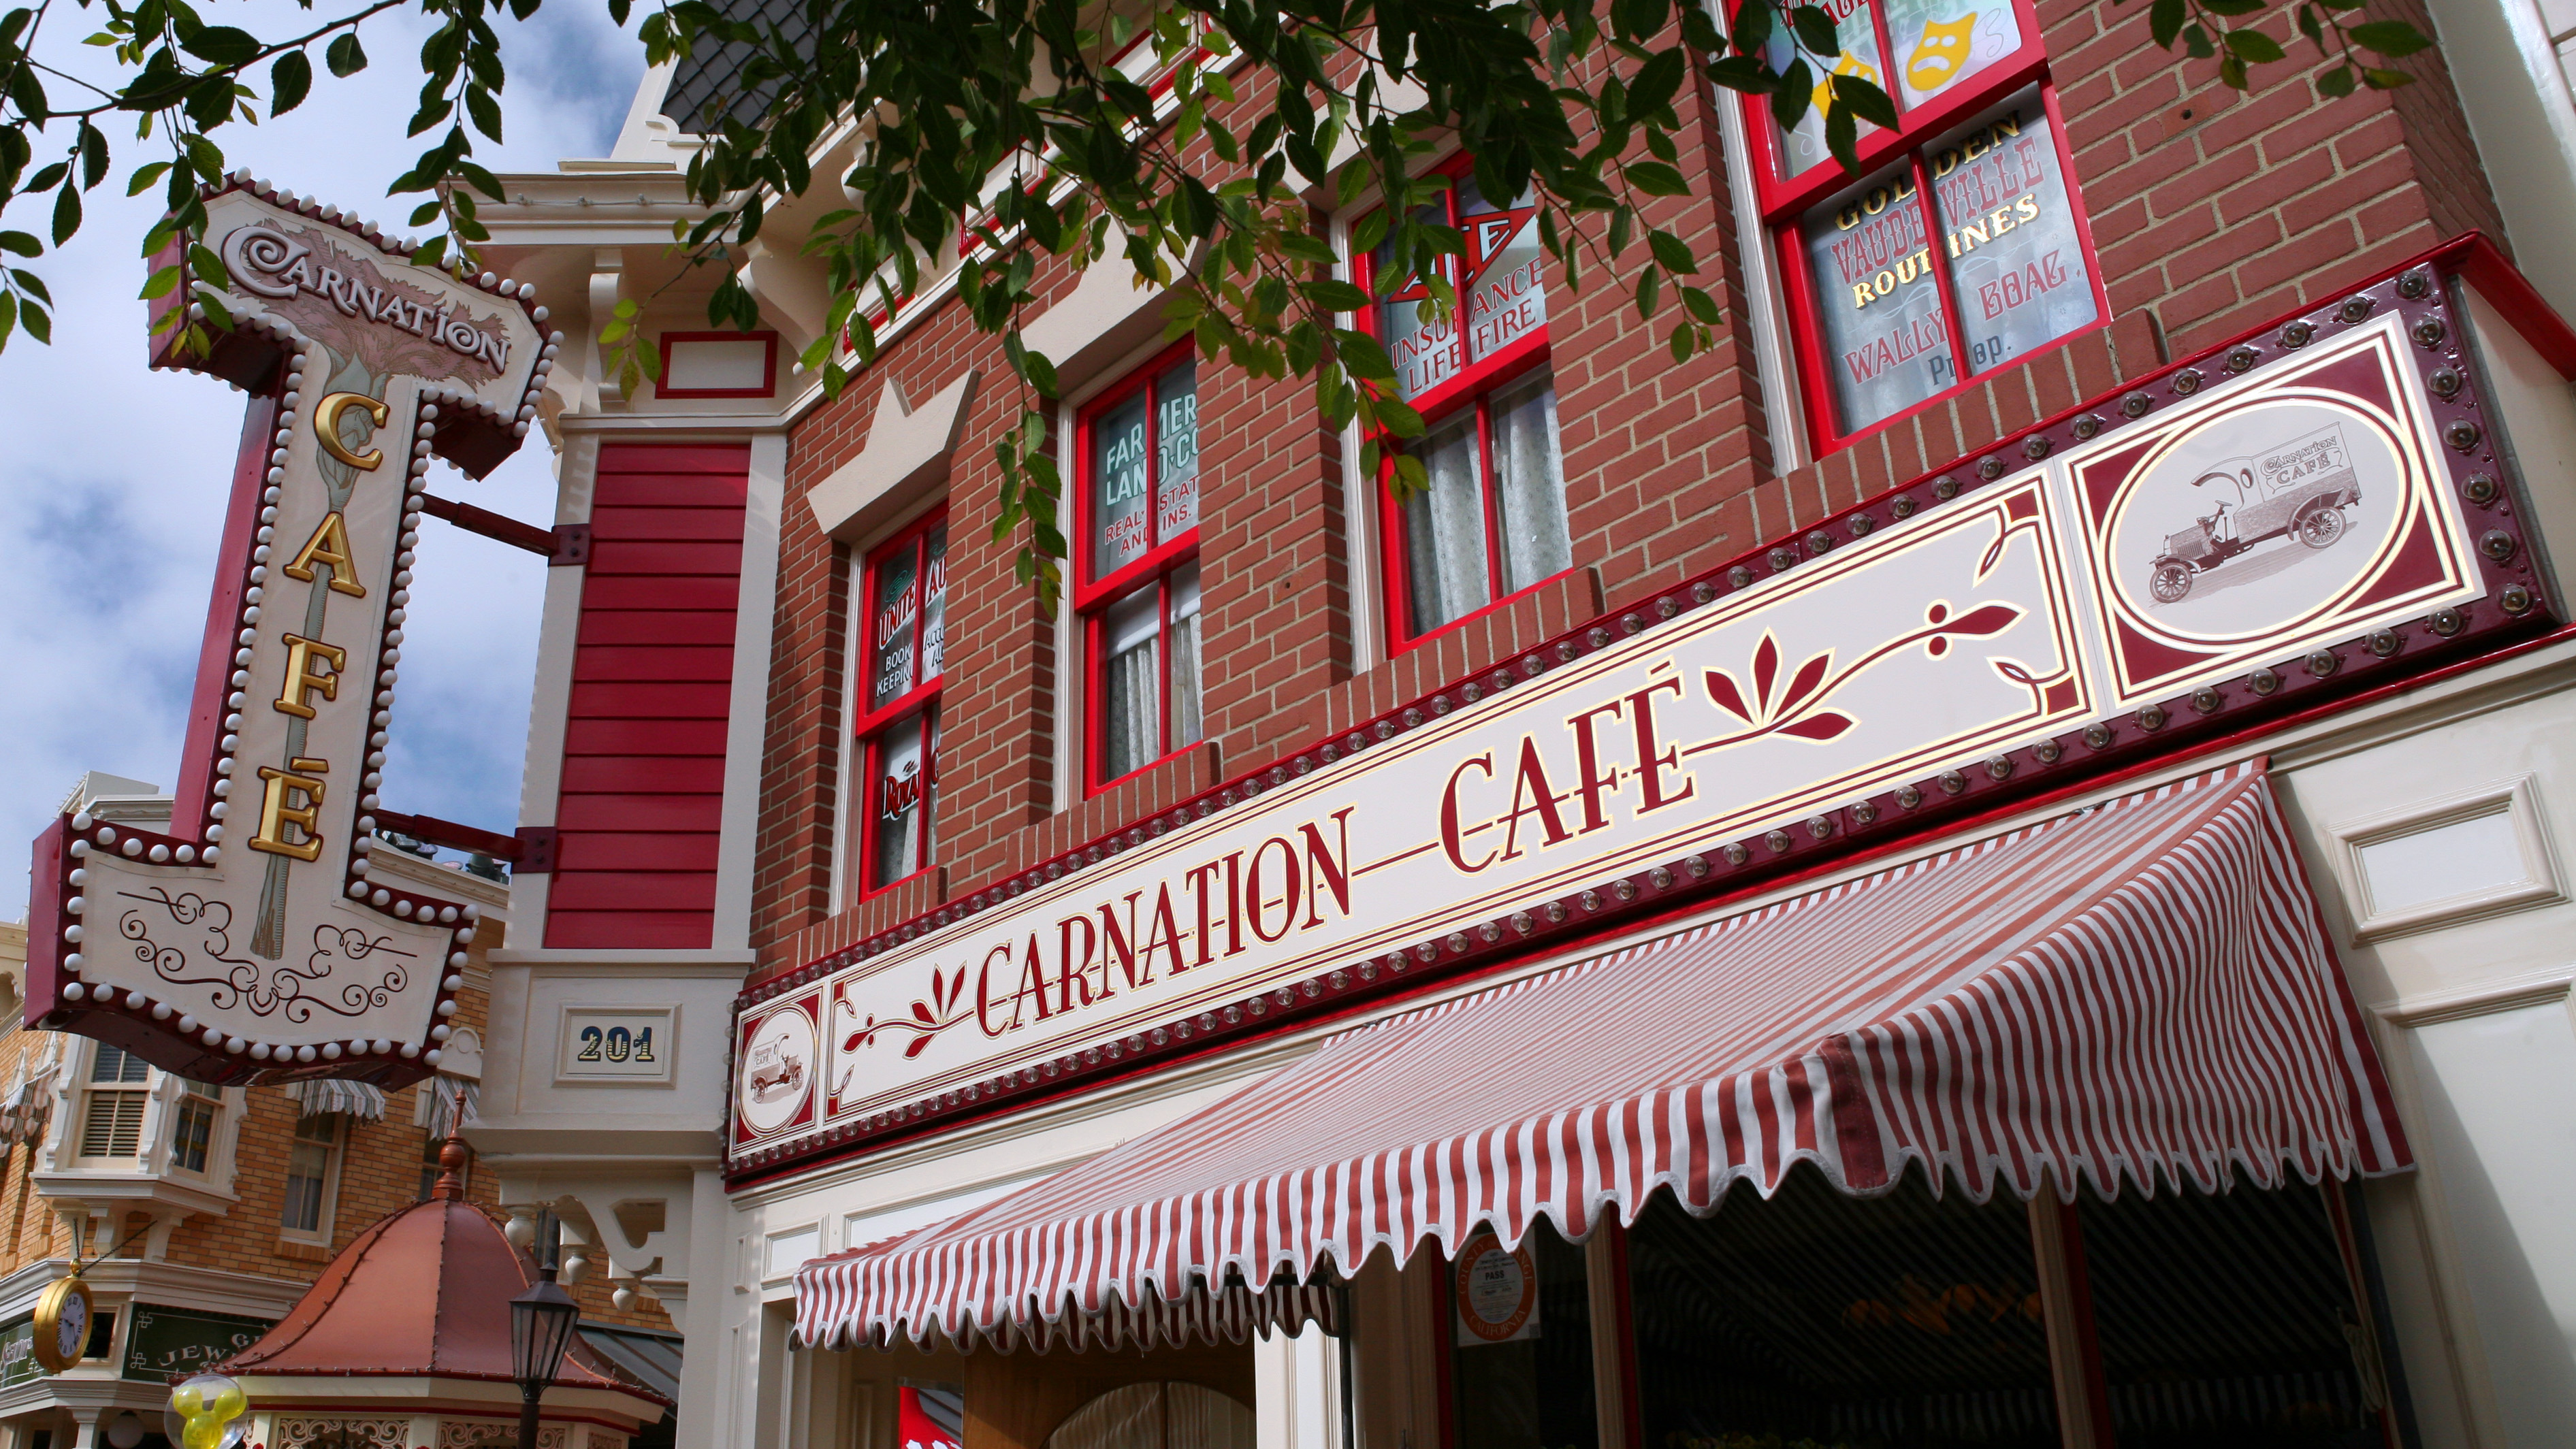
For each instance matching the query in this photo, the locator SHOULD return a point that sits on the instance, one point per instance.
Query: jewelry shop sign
(248, 941)
(2256, 520)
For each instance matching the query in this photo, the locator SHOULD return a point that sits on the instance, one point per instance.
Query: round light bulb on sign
(125, 1431)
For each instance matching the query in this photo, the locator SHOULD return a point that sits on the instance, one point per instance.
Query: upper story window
(1962, 248)
(112, 1108)
(1137, 582)
(906, 594)
(1492, 520)
(312, 1176)
(193, 1134)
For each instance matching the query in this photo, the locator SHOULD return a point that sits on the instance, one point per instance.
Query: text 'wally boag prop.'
(249, 943)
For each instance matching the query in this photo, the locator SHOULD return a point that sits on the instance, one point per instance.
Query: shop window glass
(1962, 248)
(1520, 1330)
(1897, 1322)
(194, 1132)
(1171, 1415)
(1139, 589)
(1492, 520)
(2230, 1321)
(312, 1160)
(906, 589)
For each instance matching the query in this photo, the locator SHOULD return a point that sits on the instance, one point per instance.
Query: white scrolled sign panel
(248, 941)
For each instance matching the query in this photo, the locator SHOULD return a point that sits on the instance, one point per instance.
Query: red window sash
(1784, 205)
(1473, 384)
(873, 724)
(1162, 557)
(1777, 194)
(872, 801)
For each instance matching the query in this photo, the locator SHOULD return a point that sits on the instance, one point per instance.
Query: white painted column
(706, 1366)
(1297, 1391)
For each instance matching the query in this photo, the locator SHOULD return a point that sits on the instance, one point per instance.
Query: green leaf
(1657, 83)
(223, 45)
(2254, 47)
(2337, 83)
(2196, 42)
(93, 153)
(2385, 80)
(344, 56)
(159, 284)
(485, 111)
(1362, 356)
(8, 316)
(1672, 253)
(1656, 179)
(144, 176)
(1842, 137)
(1650, 287)
(2389, 37)
(67, 214)
(1865, 100)
(289, 81)
(1789, 103)
(1334, 296)
(1681, 342)
(1702, 306)
(21, 243)
(1815, 31)
(2164, 22)
(36, 323)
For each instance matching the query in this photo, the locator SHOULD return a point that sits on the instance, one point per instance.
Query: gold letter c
(326, 427)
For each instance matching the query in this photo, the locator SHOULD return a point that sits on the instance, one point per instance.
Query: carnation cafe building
(1979, 866)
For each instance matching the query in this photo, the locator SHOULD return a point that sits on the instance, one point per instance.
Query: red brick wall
(2205, 226)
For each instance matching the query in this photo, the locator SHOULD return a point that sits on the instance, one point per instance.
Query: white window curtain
(1444, 530)
(1529, 485)
(1130, 681)
(1186, 724)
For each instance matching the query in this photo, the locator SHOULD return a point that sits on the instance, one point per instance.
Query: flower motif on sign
(929, 1017)
(1798, 709)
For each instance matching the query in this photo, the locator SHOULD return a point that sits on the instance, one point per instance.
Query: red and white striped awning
(2143, 990)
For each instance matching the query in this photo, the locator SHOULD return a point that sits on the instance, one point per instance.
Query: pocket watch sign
(248, 942)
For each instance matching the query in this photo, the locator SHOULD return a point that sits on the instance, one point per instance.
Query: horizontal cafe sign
(2209, 547)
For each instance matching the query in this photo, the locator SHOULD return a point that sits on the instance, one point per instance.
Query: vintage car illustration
(2303, 489)
(774, 1070)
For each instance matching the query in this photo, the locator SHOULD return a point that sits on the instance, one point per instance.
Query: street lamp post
(541, 1328)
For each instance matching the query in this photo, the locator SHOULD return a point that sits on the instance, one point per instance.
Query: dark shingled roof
(710, 72)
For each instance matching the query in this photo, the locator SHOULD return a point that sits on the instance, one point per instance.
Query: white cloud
(113, 478)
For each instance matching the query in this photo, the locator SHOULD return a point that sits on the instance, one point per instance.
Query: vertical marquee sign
(249, 942)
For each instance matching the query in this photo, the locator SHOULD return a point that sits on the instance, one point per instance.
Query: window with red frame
(1138, 577)
(1492, 520)
(906, 593)
(1886, 319)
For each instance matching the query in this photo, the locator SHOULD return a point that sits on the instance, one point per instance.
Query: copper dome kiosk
(404, 1343)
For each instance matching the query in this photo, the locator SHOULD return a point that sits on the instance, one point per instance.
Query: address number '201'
(616, 1044)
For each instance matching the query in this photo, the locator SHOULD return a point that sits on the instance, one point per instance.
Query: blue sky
(112, 477)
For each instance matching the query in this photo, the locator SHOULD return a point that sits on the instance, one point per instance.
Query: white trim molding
(2513, 804)
(906, 457)
(2515, 994)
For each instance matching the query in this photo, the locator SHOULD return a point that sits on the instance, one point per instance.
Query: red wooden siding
(652, 674)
